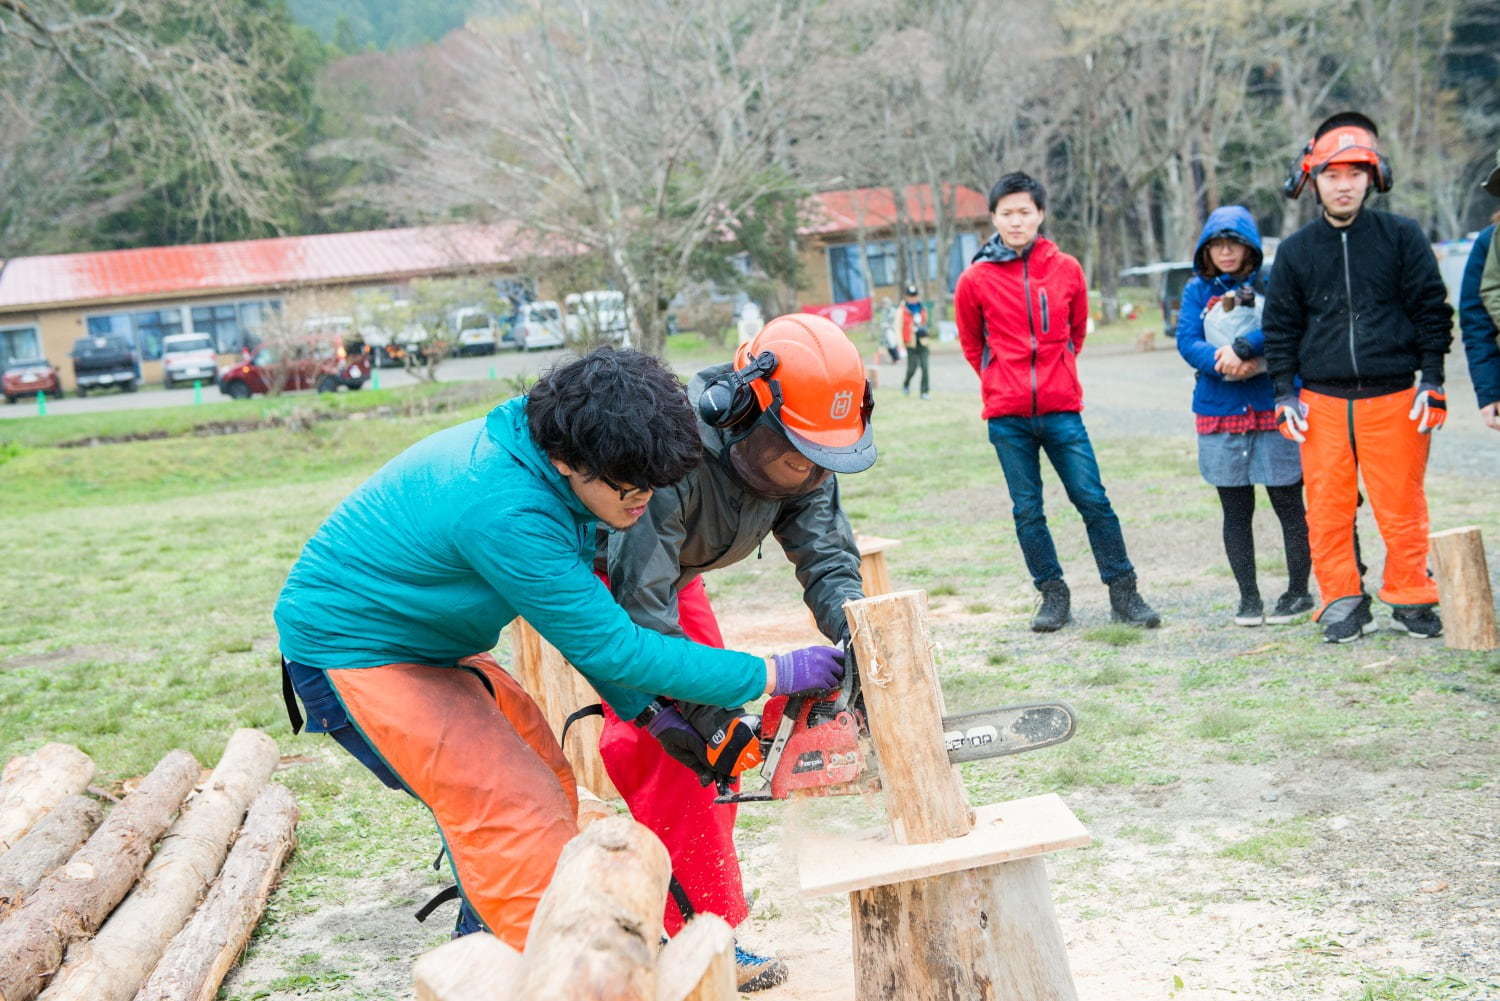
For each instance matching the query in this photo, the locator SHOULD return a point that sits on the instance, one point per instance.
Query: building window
(145, 330)
(965, 246)
(846, 276)
(19, 343)
(232, 325)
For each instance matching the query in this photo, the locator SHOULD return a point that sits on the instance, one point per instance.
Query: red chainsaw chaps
(664, 794)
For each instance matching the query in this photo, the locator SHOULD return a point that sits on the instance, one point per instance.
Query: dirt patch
(62, 657)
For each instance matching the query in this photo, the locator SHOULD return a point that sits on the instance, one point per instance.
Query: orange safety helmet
(1348, 137)
(802, 374)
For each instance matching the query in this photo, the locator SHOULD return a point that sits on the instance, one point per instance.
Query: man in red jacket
(1022, 307)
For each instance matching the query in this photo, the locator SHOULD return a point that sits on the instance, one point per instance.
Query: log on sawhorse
(559, 689)
(949, 904)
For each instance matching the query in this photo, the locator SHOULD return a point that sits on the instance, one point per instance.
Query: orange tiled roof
(873, 208)
(281, 262)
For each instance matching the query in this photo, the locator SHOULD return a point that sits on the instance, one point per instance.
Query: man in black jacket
(792, 411)
(1356, 310)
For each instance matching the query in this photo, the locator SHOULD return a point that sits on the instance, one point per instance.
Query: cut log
(477, 967)
(559, 689)
(74, 900)
(45, 847)
(35, 783)
(596, 929)
(698, 965)
(591, 808)
(195, 963)
(923, 793)
(113, 965)
(1463, 581)
(983, 933)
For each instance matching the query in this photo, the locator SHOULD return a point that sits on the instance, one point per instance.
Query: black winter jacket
(1356, 311)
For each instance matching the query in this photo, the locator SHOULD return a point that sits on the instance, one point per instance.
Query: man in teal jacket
(387, 617)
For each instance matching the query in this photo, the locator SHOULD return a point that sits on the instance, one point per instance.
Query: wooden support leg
(980, 933)
(1463, 581)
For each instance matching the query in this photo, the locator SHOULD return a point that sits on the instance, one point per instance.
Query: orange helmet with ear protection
(1348, 137)
(804, 374)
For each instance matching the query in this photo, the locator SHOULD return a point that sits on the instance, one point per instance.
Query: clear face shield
(767, 463)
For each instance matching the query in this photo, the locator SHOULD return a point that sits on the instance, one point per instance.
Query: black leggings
(1239, 536)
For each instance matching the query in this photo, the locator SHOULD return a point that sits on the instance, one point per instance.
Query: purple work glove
(811, 669)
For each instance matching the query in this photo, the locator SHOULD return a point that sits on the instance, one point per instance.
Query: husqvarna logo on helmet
(843, 402)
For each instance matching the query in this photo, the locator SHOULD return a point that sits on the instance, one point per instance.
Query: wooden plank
(1002, 832)
(559, 689)
(923, 793)
(1463, 580)
(477, 967)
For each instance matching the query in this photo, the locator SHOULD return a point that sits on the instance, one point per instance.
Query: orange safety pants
(487, 766)
(1375, 441)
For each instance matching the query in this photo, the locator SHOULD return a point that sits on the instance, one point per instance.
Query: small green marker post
(374, 378)
(197, 391)
(41, 403)
(492, 373)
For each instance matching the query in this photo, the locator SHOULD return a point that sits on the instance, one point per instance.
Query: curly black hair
(617, 415)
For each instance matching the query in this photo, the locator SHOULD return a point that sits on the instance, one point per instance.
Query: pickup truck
(104, 361)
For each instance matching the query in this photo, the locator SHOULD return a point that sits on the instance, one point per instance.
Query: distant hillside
(357, 25)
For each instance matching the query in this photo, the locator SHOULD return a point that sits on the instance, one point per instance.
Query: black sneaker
(1055, 610)
(1126, 604)
(1252, 612)
(756, 973)
(1347, 619)
(1419, 620)
(1289, 608)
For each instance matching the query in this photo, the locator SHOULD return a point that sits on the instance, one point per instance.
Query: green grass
(137, 619)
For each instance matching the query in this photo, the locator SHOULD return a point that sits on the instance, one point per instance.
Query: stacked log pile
(148, 900)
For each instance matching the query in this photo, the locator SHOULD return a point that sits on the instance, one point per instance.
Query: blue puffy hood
(1234, 222)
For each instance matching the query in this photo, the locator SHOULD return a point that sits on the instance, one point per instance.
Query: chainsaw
(818, 745)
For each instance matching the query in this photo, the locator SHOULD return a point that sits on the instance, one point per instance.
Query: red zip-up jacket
(1021, 321)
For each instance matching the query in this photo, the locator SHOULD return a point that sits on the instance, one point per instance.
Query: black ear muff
(728, 399)
(1296, 179)
(1384, 177)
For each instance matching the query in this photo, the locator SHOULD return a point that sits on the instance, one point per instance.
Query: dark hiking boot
(1347, 619)
(1055, 610)
(1289, 608)
(1126, 604)
(756, 973)
(1252, 611)
(1419, 620)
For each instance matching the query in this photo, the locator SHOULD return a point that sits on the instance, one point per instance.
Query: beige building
(223, 289)
(850, 248)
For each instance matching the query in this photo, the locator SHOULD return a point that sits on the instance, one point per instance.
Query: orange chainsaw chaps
(486, 766)
(1343, 439)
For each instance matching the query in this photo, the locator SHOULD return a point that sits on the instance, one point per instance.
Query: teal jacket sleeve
(536, 564)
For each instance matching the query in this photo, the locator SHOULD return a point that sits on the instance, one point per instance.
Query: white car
(538, 325)
(188, 358)
(600, 316)
(475, 329)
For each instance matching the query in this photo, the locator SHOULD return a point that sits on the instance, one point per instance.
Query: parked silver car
(188, 357)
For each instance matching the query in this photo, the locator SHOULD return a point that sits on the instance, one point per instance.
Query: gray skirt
(1238, 460)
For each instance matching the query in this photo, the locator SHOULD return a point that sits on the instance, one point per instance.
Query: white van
(188, 358)
(475, 330)
(600, 316)
(537, 325)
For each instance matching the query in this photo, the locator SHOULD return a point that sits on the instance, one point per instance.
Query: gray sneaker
(1289, 608)
(1347, 619)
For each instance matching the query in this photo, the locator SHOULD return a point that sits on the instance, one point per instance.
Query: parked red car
(31, 376)
(320, 365)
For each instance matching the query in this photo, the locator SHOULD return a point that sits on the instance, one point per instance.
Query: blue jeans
(1018, 442)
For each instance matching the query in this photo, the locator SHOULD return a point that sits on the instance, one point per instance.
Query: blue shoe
(756, 973)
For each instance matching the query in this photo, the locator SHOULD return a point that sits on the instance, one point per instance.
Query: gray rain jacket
(710, 520)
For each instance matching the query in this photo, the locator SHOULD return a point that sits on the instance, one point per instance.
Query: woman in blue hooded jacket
(1219, 335)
